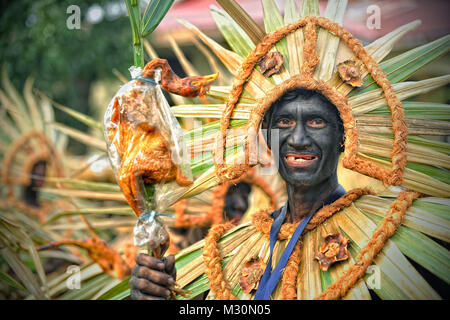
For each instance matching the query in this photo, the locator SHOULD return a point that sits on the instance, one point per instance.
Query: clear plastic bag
(150, 234)
(146, 147)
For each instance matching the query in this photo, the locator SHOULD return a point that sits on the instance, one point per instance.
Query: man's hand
(152, 278)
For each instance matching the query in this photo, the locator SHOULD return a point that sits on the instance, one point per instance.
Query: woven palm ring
(305, 79)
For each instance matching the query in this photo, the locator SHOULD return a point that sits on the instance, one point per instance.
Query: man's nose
(300, 138)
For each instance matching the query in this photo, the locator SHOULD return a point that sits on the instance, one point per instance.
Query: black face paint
(236, 200)
(310, 137)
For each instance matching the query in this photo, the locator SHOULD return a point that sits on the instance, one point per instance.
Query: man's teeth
(298, 159)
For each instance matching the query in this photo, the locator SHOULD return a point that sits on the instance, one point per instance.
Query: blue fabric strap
(149, 80)
(269, 279)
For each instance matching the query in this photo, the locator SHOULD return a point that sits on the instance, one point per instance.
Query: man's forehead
(299, 105)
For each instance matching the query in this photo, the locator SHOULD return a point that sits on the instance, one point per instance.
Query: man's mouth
(300, 160)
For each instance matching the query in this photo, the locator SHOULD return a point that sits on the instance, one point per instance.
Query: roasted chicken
(144, 152)
(138, 139)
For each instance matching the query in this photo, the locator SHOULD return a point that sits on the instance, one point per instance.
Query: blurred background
(78, 67)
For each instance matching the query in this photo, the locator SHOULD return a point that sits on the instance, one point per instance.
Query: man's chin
(298, 175)
(299, 179)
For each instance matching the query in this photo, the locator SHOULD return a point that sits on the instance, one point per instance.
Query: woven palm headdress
(316, 53)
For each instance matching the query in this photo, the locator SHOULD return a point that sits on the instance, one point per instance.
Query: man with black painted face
(310, 142)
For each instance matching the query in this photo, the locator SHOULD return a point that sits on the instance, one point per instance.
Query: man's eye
(316, 123)
(284, 123)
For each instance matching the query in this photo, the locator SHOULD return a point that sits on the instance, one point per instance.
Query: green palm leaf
(420, 110)
(10, 281)
(399, 279)
(310, 8)
(236, 38)
(153, 14)
(404, 65)
(118, 292)
(273, 21)
(426, 252)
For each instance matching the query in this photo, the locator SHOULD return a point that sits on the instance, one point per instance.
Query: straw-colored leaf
(23, 273)
(242, 111)
(34, 114)
(428, 253)
(408, 283)
(10, 281)
(381, 47)
(236, 38)
(382, 146)
(310, 8)
(48, 115)
(88, 289)
(374, 99)
(7, 127)
(149, 49)
(191, 268)
(118, 222)
(222, 92)
(110, 284)
(257, 84)
(90, 122)
(359, 290)
(378, 49)
(439, 146)
(420, 110)
(416, 180)
(209, 178)
(119, 290)
(309, 283)
(59, 285)
(61, 143)
(327, 43)
(212, 61)
(243, 19)
(86, 185)
(295, 39)
(16, 100)
(12, 238)
(421, 216)
(383, 124)
(80, 136)
(404, 65)
(122, 211)
(16, 114)
(85, 194)
(273, 21)
(232, 269)
(185, 63)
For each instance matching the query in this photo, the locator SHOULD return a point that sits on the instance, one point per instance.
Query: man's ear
(342, 144)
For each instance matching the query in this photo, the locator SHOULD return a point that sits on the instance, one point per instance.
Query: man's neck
(303, 200)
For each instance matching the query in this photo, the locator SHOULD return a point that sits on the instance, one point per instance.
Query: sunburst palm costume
(312, 47)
